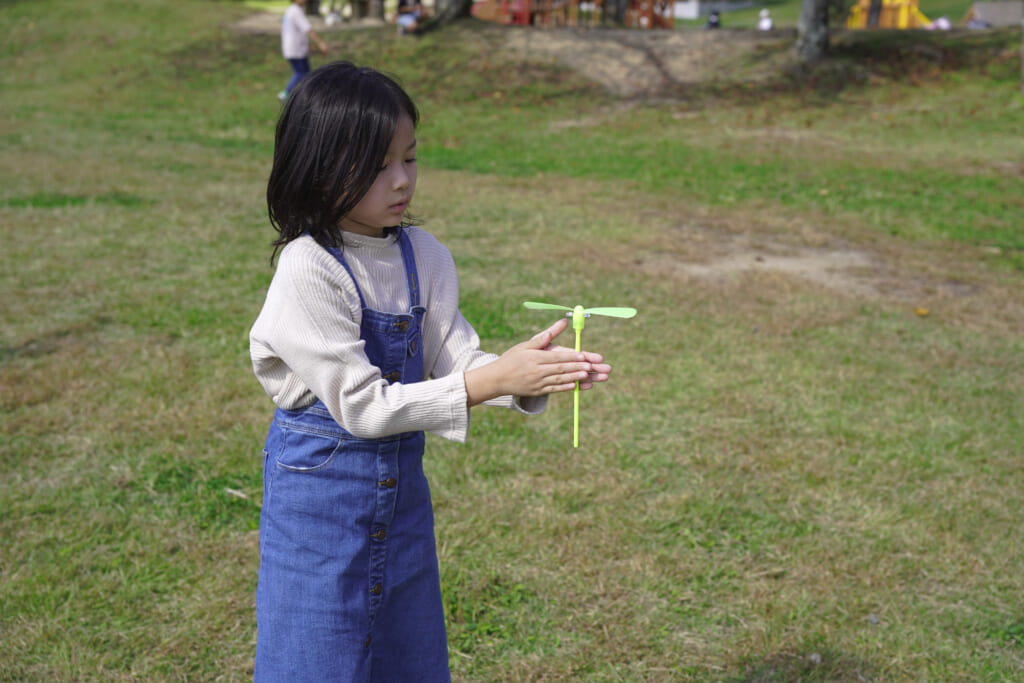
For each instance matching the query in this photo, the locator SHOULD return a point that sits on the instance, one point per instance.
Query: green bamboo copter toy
(579, 315)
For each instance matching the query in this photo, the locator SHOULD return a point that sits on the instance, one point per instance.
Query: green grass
(791, 477)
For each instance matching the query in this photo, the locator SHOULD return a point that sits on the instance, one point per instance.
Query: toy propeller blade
(545, 307)
(619, 312)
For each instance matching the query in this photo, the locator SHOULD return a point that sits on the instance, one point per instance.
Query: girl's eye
(411, 160)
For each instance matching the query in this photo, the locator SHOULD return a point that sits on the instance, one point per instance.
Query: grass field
(808, 465)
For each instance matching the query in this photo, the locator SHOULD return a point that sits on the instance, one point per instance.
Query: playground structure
(643, 14)
(651, 14)
(898, 14)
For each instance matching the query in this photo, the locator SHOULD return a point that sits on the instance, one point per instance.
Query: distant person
(714, 21)
(975, 21)
(409, 14)
(764, 21)
(296, 32)
(362, 347)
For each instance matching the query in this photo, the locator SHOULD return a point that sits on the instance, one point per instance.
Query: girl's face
(389, 196)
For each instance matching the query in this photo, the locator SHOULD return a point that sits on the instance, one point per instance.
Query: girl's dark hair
(330, 144)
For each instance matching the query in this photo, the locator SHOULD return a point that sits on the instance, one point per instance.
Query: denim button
(412, 347)
(376, 590)
(379, 534)
(403, 325)
(393, 376)
(390, 482)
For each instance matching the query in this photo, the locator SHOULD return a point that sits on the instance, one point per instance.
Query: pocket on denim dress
(307, 451)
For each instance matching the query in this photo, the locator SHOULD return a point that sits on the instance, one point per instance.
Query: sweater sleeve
(454, 346)
(307, 337)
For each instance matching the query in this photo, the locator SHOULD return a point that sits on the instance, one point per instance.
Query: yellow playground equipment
(887, 14)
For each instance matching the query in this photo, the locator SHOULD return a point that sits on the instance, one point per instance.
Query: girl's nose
(400, 180)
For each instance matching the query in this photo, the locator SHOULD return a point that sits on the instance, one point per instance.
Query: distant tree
(615, 12)
(450, 10)
(813, 35)
(812, 30)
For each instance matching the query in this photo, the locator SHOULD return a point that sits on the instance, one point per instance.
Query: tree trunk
(812, 31)
(614, 12)
(367, 9)
(450, 10)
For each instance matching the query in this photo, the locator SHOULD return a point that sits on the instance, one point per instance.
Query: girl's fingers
(543, 339)
(584, 386)
(577, 372)
(571, 377)
(552, 363)
(586, 380)
(599, 370)
(589, 356)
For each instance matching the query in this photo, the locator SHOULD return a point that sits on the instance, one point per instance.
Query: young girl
(361, 345)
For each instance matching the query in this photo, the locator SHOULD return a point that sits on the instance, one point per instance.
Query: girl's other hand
(599, 369)
(535, 368)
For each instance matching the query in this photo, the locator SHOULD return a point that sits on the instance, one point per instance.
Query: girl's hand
(535, 368)
(599, 370)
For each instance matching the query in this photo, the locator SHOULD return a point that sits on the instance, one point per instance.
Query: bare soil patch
(754, 255)
(627, 63)
(653, 63)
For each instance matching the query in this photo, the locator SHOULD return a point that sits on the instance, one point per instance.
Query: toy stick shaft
(576, 405)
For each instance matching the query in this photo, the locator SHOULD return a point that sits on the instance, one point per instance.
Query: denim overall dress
(348, 583)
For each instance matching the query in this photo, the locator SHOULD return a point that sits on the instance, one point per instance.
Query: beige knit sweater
(305, 342)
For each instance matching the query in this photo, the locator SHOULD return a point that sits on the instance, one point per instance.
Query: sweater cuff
(530, 405)
(526, 405)
(458, 402)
